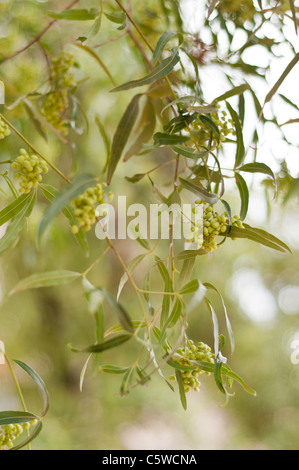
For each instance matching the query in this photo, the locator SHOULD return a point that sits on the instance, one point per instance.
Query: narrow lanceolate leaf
(158, 73)
(183, 398)
(40, 384)
(108, 369)
(218, 374)
(191, 254)
(74, 15)
(244, 194)
(117, 17)
(161, 44)
(257, 168)
(147, 127)
(53, 278)
(189, 152)
(17, 224)
(168, 139)
(70, 193)
(283, 76)
(105, 346)
(106, 139)
(123, 316)
(122, 134)
(228, 323)
(190, 287)
(50, 193)
(238, 90)
(207, 109)
(16, 417)
(14, 208)
(210, 198)
(259, 236)
(240, 153)
(215, 326)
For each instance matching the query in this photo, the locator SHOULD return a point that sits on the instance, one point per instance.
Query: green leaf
(117, 17)
(186, 271)
(106, 139)
(53, 278)
(281, 79)
(190, 287)
(14, 208)
(108, 369)
(238, 90)
(17, 224)
(210, 198)
(218, 374)
(210, 123)
(228, 323)
(240, 153)
(215, 326)
(168, 139)
(188, 152)
(50, 193)
(147, 127)
(229, 373)
(70, 193)
(108, 344)
(163, 41)
(123, 316)
(74, 15)
(16, 417)
(183, 398)
(136, 178)
(190, 254)
(122, 135)
(257, 168)
(40, 384)
(244, 194)
(158, 73)
(259, 236)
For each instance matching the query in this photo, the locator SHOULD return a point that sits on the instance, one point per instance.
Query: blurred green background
(261, 287)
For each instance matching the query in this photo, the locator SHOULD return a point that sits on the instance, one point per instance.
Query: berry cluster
(56, 102)
(212, 225)
(85, 207)
(4, 130)
(203, 353)
(30, 168)
(220, 119)
(10, 432)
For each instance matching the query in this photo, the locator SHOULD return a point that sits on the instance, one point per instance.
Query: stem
(135, 25)
(95, 262)
(34, 149)
(18, 390)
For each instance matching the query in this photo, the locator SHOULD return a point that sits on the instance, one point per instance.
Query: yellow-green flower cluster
(85, 207)
(61, 73)
(213, 225)
(30, 168)
(4, 130)
(10, 432)
(202, 353)
(226, 126)
(237, 10)
(54, 109)
(57, 102)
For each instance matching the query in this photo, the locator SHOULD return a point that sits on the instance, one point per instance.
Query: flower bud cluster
(10, 432)
(30, 168)
(202, 353)
(57, 102)
(4, 130)
(85, 207)
(212, 225)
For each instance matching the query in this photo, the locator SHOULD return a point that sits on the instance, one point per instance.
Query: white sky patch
(256, 301)
(289, 300)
